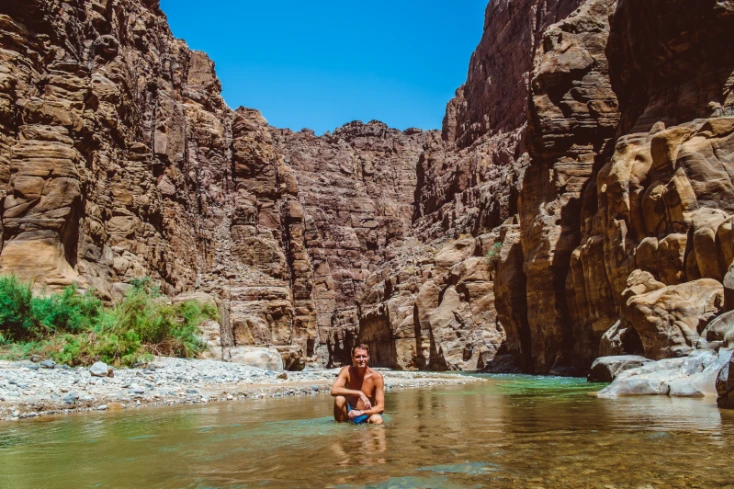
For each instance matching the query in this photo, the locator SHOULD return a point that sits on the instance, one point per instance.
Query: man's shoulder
(376, 374)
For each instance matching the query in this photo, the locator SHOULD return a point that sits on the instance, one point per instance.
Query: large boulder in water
(253, 356)
(606, 369)
(691, 376)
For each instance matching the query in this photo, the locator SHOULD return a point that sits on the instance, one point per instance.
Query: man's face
(360, 358)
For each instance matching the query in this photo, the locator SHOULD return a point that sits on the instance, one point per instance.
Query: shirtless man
(359, 391)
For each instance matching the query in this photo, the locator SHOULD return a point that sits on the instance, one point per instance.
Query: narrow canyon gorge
(578, 201)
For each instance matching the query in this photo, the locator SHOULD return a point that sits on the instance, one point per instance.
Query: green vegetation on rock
(494, 253)
(75, 328)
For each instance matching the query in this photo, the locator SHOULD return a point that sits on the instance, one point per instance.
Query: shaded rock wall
(572, 118)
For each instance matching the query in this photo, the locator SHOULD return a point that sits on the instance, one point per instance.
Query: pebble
(71, 398)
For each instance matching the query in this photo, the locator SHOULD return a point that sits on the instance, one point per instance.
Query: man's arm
(379, 406)
(339, 388)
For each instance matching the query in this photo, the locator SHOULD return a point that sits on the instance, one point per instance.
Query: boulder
(293, 358)
(713, 336)
(606, 369)
(48, 364)
(253, 356)
(101, 369)
(668, 318)
(692, 376)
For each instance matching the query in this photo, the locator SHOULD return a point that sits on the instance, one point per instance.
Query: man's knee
(340, 402)
(375, 419)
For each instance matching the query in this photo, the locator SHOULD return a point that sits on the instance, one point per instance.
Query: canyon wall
(356, 187)
(576, 203)
(585, 164)
(119, 159)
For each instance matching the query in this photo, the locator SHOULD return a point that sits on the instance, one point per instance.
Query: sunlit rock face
(577, 202)
(656, 249)
(119, 160)
(356, 188)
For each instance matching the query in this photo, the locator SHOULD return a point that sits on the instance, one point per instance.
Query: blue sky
(320, 64)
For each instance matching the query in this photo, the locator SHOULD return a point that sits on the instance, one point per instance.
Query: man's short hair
(361, 346)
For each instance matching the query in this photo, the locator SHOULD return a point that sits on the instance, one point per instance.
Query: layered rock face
(656, 246)
(119, 160)
(356, 187)
(522, 138)
(577, 203)
(621, 194)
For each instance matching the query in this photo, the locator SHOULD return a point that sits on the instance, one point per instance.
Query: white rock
(100, 369)
(264, 358)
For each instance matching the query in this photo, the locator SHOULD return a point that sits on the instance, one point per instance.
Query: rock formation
(356, 188)
(119, 159)
(576, 204)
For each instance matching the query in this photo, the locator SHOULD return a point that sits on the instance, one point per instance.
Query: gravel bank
(28, 390)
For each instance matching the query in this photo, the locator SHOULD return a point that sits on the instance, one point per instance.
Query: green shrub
(494, 252)
(68, 311)
(16, 318)
(76, 329)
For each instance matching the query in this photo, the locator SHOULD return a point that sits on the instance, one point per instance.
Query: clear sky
(319, 64)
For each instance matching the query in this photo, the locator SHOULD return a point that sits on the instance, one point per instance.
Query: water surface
(512, 432)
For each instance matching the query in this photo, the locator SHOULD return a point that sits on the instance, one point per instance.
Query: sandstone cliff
(577, 202)
(119, 159)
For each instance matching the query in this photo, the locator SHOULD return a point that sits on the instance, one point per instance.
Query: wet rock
(725, 386)
(606, 369)
(48, 364)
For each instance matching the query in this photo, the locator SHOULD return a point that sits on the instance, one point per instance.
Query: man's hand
(354, 413)
(366, 404)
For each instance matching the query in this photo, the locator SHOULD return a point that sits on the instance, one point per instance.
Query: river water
(512, 432)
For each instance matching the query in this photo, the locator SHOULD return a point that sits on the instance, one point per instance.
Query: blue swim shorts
(362, 418)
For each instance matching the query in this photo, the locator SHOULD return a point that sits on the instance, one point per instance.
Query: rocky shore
(29, 390)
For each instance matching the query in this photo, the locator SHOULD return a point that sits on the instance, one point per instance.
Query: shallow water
(513, 432)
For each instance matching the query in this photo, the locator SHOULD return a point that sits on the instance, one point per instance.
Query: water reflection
(513, 432)
(367, 446)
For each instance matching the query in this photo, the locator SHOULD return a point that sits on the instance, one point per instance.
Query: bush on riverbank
(77, 329)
